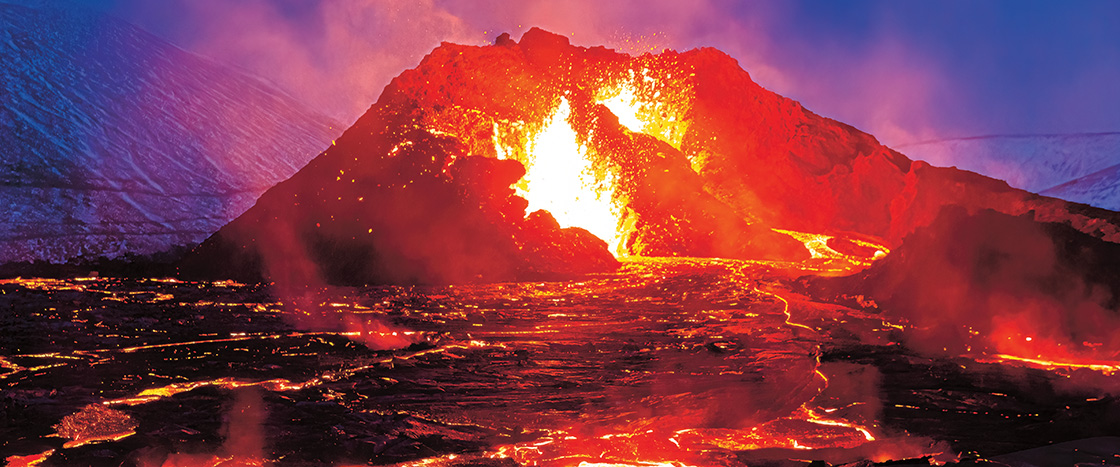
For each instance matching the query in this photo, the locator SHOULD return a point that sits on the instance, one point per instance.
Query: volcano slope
(422, 212)
(675, 154)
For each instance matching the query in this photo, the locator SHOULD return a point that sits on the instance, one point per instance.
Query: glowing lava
(94, 424)
(28, 461)
(837, 261)
(567, 178)
(1106, 367)
(561, 178)
(651, 100)
(624, 105)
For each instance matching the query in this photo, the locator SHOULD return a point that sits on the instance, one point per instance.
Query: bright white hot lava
(561, 179)
(624, 105)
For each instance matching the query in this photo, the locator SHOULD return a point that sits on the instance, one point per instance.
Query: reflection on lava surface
(665, 362)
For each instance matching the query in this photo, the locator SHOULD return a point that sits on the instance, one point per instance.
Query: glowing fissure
(818, 247)
(29, 460)
(1106, 367)
(561, 179)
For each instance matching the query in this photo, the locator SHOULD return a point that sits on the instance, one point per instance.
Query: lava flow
(666, 361)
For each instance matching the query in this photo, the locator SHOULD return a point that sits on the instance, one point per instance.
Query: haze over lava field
(534, 253)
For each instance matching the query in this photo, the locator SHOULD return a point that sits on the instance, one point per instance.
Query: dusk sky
(904, 71)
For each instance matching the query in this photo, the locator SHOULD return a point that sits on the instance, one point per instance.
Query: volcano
(532, 253)
(675, 154)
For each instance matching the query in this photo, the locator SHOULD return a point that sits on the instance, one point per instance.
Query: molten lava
(653, 98)
(561, 179)
(624, 105)
(95, 423)
(1108, 368)
(574, 178)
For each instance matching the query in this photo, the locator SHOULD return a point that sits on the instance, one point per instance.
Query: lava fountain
(562, 179)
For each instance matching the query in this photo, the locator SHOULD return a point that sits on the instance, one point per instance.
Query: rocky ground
(682, 362)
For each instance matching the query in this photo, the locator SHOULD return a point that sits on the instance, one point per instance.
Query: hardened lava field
(684, 361)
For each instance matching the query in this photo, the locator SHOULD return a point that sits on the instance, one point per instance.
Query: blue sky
(902, 70)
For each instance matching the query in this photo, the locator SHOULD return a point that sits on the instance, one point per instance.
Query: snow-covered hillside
(1031, 162)
(1100, 189)
(114, 141)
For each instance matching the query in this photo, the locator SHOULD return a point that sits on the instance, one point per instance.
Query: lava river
(664, 362)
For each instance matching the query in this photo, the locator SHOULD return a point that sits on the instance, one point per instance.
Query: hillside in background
(117, 142)
(1075, 167)
(1100, 189)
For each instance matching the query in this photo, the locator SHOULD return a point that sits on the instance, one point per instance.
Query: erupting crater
(675, 154)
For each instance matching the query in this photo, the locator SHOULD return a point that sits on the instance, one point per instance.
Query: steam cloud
(999, 284)
(243, 432)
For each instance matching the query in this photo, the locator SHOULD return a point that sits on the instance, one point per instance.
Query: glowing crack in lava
(561, 178)
(819, 249)
(1015, 345)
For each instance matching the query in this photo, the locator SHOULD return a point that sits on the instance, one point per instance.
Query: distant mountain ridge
(1074, 166)
(117, 142)
(1100, 189)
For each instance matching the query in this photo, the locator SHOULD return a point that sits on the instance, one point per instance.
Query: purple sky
(901, 70)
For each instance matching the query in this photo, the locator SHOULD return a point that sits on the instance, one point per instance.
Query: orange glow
(1106, 367)
(624, 105)
(817, 244)
(274, 385)
(564, 173)
(11, 367)
(105, 438)
(821, 422)
(50, 284)
(566, 448)
(804, 429)
(1017, 341)
(94, 424)
(652, 102)
(154, 394)
(673, 464)
(813, 417)
(28, 461)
